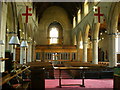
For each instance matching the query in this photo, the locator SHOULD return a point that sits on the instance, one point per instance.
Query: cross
(98, 14)
(27, 14)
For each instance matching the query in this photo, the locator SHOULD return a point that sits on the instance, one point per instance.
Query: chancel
(48, 45)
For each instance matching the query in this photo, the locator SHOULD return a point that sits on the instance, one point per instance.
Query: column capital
(85, 42)
(29, 42)
(94, 40)
(114, 34)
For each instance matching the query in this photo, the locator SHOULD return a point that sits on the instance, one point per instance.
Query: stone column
(112, 27)
(85, 51)
(112, 47)
(29, 52)
(95, 51)
(78, 53)
(21, 55)
(24, 55)
(7, 41)
(33, 53)
(3, 19)
(9, 47)
(14, 52)
(14, 56)
(95, 43)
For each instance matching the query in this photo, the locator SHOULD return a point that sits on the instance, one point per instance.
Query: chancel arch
(50, 15)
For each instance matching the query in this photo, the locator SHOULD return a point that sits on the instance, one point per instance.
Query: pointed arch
(80, 40)
(86, 33)
(74, 40)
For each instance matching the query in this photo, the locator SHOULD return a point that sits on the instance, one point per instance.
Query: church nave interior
(46, 42)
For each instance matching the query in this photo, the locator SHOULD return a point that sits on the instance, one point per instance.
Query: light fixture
(24, 44)
(20, 30)
(7, 30)
(102, 38)
(100, 33)
(14, 40)
(105, 31)
(34, 42)
(2, 42)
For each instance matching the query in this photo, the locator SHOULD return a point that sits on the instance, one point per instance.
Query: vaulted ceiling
(70, 7)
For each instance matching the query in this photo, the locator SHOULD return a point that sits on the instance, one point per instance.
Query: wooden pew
(89, 74)
(8, 77)
(49, 70)
(76, 64)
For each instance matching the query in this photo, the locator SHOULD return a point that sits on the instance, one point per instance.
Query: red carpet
(90, 84)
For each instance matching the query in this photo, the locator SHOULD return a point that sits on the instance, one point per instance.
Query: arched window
(86, 7)
(79, 16)
(74, 22)
(54, 35)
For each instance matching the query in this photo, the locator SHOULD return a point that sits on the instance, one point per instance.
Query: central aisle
(90, 84)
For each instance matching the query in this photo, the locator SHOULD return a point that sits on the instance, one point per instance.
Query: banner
(98, 16)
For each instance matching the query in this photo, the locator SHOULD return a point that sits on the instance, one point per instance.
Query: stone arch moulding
(74, 39)
(113, 18)
(86, 32)
(10, 19)
(79, 34)
(79, 37)
(51, 21)
(105, 9)
(62, 17)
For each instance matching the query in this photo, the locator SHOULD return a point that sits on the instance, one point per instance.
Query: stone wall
(50, 15)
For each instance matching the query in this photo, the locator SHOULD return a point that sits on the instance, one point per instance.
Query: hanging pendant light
(14, 40)
(2, 42)
(24, 43)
